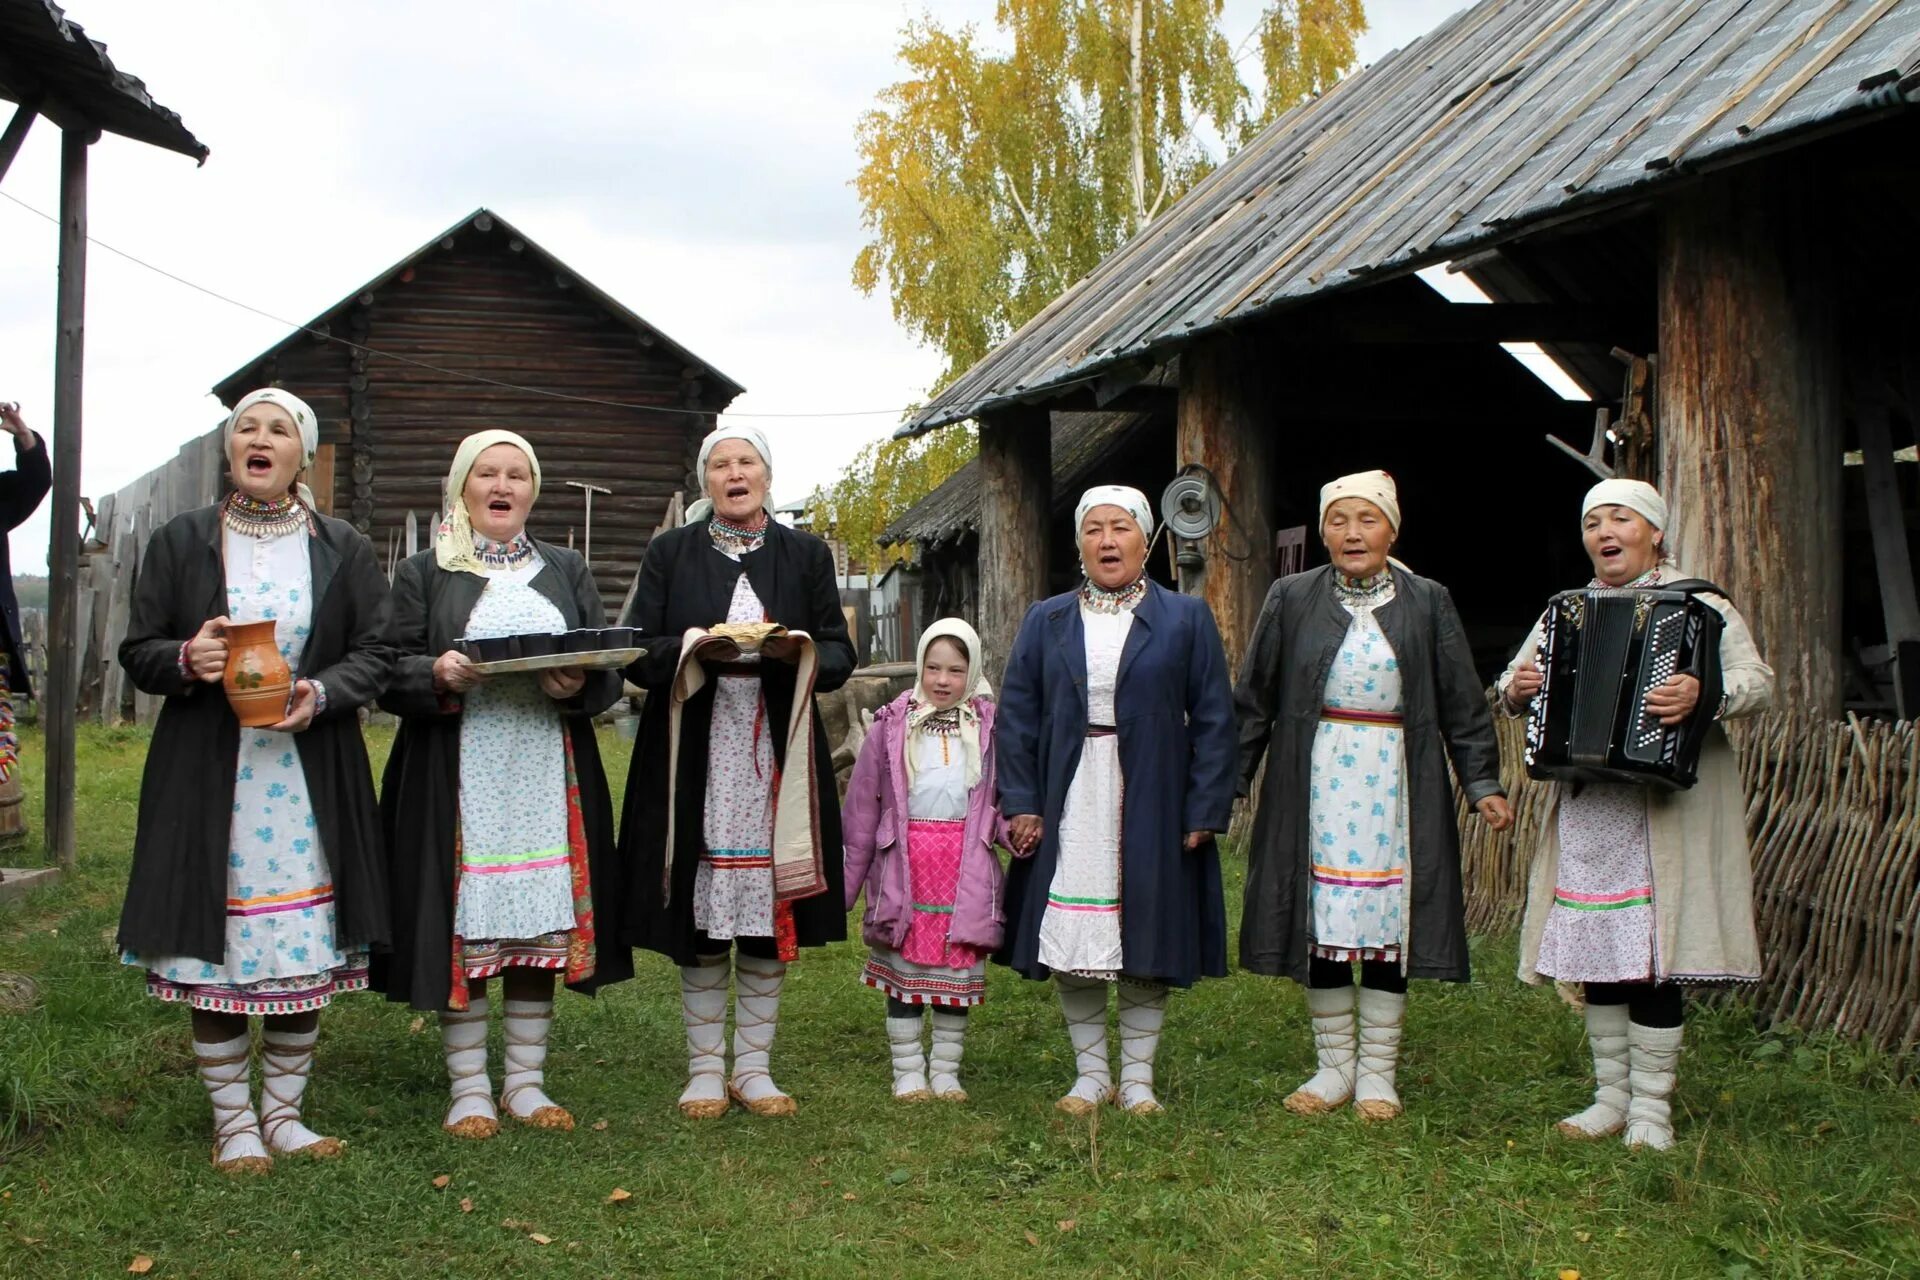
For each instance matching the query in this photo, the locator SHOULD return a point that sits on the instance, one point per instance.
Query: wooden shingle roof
(1511, 114)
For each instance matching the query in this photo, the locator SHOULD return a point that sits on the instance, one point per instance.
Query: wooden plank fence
(1833, 811)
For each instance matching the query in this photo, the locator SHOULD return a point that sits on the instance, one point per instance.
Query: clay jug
(257, 679)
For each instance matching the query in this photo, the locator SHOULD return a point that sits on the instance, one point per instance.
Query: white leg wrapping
(463, 1037)
(1084, 1002)
(1653, 1063)
(909, 1060)
(756, 1016)
(286, 1062)
(522, 1092)
(949, 1043)
(237, 1145)
(1143, 1011)
(1336, 1043)
(1381, 1016)
(703, 1009)
(1607, 1034)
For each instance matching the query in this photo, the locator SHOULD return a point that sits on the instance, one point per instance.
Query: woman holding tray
(257, 885)
(499, 825)
(731, 836)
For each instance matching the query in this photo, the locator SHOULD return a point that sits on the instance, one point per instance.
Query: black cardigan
(420, 796)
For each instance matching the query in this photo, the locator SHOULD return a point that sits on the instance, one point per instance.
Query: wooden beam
(1225, 425)
(64, 554)
(1748, 381)
(16, 134)
(1892, 562)
(1458, 323)
(1016, 488)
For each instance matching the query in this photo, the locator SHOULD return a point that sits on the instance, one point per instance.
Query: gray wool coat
(1278, 700)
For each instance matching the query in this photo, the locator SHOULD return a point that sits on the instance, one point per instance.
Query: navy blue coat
(1174, 712)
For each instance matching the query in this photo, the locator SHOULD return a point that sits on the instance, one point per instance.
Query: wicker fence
(1833, 811)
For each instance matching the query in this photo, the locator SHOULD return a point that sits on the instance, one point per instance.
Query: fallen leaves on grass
(140, 1265)
(848, 1195)
(1066, 1224)
(466, 1204)
(415, 1027)
(442, 1182)
(620, 1196)
(537, 1238)
(1033, 1239)
(600, 1126)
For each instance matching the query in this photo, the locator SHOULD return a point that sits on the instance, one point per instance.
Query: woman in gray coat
(1360, 681)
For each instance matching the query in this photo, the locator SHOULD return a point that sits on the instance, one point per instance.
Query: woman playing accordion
(1635, 889)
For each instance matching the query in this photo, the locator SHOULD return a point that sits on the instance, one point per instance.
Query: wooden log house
(481, 327)
(1705, 211)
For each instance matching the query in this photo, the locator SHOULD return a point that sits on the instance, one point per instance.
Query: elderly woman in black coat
(257, 885)
(498, 821)
(1360, 680)
(731, 836)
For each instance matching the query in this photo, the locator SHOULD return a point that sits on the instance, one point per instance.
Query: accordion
(1603, 650)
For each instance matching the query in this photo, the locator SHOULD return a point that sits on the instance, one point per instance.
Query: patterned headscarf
(1131, 501)
(304, 422)
(453, 540)
(703, 506)
(1376, 487)
(919, 712)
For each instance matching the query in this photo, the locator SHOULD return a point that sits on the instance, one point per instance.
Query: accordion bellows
(1602, 651)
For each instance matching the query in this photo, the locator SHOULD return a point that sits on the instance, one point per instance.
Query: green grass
(1798, 1155)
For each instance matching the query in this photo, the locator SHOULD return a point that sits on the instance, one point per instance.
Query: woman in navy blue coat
(1118, 688)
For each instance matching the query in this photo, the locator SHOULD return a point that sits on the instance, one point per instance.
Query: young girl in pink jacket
(920, 824)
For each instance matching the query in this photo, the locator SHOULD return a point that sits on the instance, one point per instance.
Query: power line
(457, 375)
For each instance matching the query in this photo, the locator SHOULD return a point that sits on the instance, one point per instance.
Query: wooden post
(1749, 407)
(64, 555)
(1016, 514)
(1225, 425)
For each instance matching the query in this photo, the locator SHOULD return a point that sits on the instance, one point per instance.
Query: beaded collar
(733, 539)
(264, 518)
(515, 553)
(1364, 593)
(1651, 578)
(942, 723)
(1100, 600)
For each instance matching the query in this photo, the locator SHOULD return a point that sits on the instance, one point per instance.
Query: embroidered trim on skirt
(937, 985)
(270, 997)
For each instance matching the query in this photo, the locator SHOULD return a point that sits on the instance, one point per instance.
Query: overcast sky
(690, 159)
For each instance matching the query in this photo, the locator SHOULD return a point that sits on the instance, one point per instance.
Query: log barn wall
(435, 338)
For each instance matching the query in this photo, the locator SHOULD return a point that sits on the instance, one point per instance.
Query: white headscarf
(702, 507)
(304, 422)
(1634, 495)
(977, 687)
(1131, 501)
(453, 540)
(1376, 487)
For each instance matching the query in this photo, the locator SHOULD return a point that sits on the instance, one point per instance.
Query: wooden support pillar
(1225, 425)
(64, 554)
(1892, 561)
(16, 133)
(1749, 381)
(1016, 515)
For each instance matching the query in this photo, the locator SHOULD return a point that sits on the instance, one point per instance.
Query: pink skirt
(933, 863)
